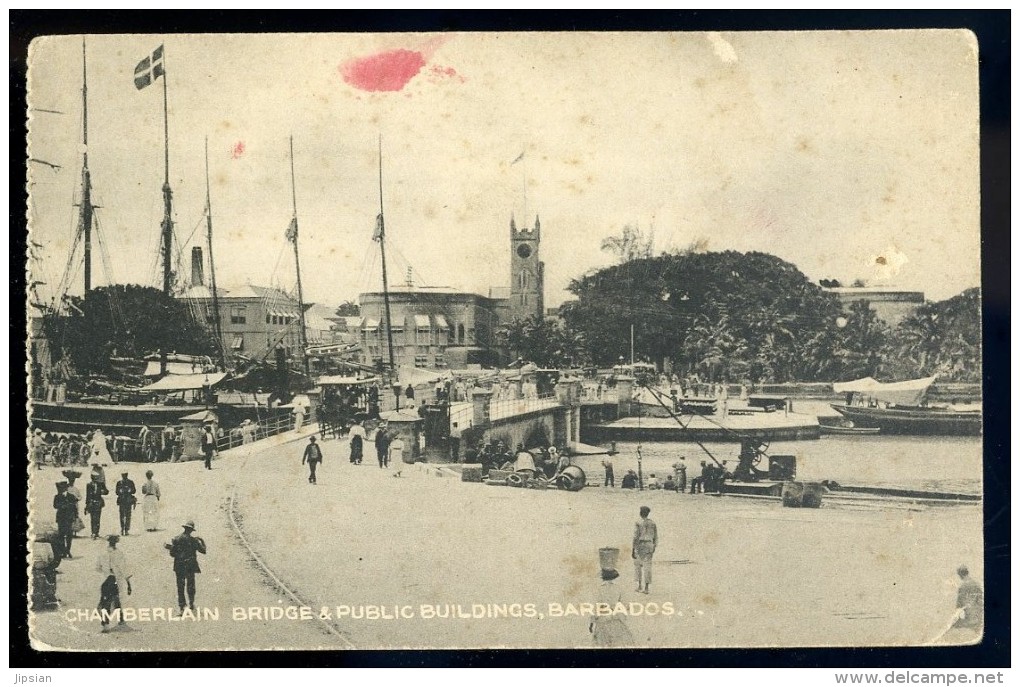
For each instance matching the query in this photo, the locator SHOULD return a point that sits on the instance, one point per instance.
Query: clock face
(524, 250)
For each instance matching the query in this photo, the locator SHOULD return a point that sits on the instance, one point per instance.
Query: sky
(850, 154)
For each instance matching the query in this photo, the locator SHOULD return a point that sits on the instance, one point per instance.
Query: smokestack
(196, 267)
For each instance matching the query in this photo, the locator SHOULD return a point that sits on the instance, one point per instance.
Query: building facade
(432, 327)
(891, 305)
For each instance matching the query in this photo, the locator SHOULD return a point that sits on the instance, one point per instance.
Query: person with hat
(184, 549)
(610, 631)
(94, 503)
(208, 445)
(150, 502)
(382, 445)
(126, 500)
(646, 539)
(357, 442)
(38, 449)
(98, 473)
(66, 507)
(112, 565)
(313, 456)
(680, 469)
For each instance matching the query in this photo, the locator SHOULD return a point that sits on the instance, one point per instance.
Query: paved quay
(737, 572)
(394, 560)
(228, 579)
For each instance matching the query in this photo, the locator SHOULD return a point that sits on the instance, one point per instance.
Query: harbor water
(952, 464)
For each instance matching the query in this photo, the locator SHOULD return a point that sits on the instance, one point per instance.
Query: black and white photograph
(516, 340)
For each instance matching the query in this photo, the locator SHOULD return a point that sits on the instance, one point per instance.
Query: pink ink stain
(386, 71)
(238, 150)
(439, 72)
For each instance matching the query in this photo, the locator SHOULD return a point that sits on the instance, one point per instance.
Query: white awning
(186, 382)
(441, 323)
(421, 321)
(371, 324)
(909, 393)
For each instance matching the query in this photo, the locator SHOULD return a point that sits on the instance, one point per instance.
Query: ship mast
(381, 233)
(167, 225)
(85, 213)
(297, 263)
(212, 264)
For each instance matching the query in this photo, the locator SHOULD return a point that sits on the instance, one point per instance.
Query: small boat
(900, 408)
(848, 430)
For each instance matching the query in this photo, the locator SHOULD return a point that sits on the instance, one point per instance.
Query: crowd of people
(65, 449)
(710, 478)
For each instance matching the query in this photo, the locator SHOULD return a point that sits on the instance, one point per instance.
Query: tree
(941, 338)
(630, 244)
(722, 315)
(348, 309)
(543, 342)
(124, 320)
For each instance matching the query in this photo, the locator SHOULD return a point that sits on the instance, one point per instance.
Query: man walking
(382, 446)
(67, 512)
(184, 549)
(125, 490)
(116, 581)
(312, 456)
(167, 439)
(208, 445)
(94, 493)
(646, 538)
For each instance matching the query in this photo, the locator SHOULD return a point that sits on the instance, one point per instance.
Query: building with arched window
(432, 327)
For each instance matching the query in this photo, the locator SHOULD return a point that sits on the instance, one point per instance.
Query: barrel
(608, 557)
(571, 479)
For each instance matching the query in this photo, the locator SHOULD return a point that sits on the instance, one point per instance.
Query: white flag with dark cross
(149, 69)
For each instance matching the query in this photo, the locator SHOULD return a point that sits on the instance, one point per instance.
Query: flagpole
(297, 265)
(524, 183)
(386, 288)
(167, 228)
(85, 215)
(212, 264)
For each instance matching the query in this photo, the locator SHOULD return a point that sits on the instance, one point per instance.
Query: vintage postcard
(504, 340)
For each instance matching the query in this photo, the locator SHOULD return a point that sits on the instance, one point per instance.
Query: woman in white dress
(100, 453)
(150, 503)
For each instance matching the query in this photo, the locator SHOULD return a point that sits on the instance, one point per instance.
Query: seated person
(653, 482)
(629, 480)
(669, 484)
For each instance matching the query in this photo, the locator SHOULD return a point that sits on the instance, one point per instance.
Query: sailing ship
(903, 408)
(183, 384)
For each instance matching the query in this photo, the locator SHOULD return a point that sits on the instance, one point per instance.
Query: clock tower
(527, 272)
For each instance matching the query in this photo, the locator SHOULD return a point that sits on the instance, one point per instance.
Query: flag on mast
(292, 230)
(377, 236)
(149, 69)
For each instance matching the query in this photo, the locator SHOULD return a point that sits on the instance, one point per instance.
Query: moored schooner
(118, 408)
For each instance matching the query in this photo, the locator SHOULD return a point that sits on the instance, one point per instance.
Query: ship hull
(78, 418)
(914, 421)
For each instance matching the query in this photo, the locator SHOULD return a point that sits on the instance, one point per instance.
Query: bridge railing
(268, 428)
